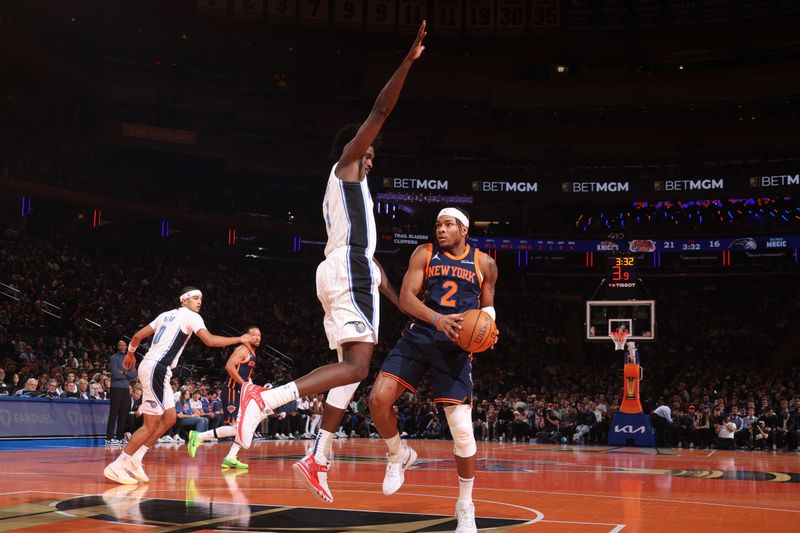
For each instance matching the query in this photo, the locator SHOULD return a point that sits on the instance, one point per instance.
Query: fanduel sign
(416, 184)
(505, 186)
(690, 185)
(775, 181)
(596, 186)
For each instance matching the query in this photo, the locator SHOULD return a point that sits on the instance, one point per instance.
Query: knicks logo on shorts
(359, 326)
(231, 409)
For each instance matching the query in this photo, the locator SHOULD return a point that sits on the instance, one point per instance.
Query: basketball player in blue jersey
(171, 332)
(454, 277)
(239, 367)
(348, 282)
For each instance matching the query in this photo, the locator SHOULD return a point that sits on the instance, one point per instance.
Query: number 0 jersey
(172, 331)
(349, 221)
(452, 284)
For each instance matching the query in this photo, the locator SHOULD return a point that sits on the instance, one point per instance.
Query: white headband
(188, 294)
(455, 213)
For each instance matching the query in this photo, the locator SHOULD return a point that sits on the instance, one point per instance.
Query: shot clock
(622, 274)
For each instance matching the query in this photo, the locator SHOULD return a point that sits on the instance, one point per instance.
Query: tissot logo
(689, 185)
(596, 186)
(414, 183)
(629, 429)
(775, 181)
(505, 186)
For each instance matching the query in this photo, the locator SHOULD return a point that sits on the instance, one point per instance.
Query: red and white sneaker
(315, 477)
(252, 410)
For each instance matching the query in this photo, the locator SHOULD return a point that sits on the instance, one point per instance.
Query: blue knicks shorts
(230, 402)
(423, 349)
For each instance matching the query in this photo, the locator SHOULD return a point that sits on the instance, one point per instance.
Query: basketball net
(619, 338)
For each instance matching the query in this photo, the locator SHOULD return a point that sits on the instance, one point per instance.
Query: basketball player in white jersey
(171, 331)
(347, 286)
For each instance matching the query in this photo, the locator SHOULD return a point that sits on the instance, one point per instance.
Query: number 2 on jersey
(447, 299)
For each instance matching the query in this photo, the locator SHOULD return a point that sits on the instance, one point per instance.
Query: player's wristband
(489, 310)
(437, 317)
(132, 349)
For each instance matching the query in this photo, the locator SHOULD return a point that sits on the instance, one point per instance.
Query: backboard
(605, 316)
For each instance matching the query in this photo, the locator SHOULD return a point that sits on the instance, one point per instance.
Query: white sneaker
(396, 468)
(252, 411)
(118, 473)
(136, 470)
(465, 514)
(178, 440)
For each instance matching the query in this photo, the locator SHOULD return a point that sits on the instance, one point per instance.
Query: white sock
(221, 433)
(233, 452)
(274, 398)
(139, 455)
(123, 457)
(394, 444)
(322, 446)
(465, 490)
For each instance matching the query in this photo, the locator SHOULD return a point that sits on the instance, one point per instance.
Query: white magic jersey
(172, 331)
(349, 220)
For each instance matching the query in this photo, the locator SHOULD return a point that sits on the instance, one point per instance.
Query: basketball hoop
(619, 338)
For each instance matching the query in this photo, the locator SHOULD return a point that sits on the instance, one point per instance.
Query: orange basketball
(478, 331)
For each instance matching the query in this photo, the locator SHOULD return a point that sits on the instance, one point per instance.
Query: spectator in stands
(29, 388)
(216, 408)
(586, 421)
(70, 390)
(479, 419)
(520, 431)
(3, 386)
(433, 429)
(187, 418)
(761, 435)
(725, 433)
(749, 426)
(83, 389)
(783, 429)
(134, 417)
(97, 391)
(52, 389)
(771, 423)
(738, 421)
(702, 429)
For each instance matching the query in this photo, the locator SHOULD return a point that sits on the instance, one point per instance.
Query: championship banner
(42, 417)
(314, 12)
(156, 133)
(512, 17)
(480, 16)
(349, 14)
(215, 8)
(281, 11)
(381, 15)
(248, 9)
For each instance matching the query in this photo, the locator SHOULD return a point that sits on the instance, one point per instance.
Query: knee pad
(459, 418)
(340, 396)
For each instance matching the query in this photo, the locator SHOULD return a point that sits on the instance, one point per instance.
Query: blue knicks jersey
(245, 370)
(452, 284)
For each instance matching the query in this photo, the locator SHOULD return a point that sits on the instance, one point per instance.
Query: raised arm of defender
(348, 166)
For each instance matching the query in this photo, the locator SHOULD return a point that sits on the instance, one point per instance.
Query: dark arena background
(643, 152)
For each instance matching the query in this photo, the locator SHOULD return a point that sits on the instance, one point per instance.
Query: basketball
(478, 331)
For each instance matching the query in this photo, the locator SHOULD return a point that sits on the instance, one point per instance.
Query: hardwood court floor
(518, 487)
